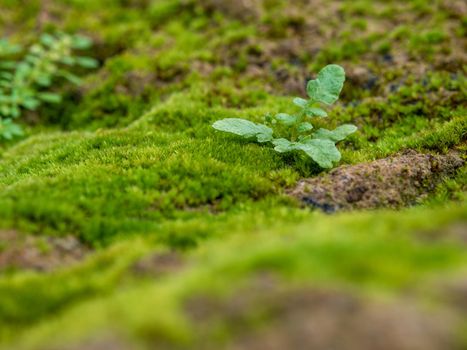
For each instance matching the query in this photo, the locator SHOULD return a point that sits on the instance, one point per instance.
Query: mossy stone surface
(181, 227)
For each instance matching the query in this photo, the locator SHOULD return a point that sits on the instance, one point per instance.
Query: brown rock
(318, 319)
(390, 182)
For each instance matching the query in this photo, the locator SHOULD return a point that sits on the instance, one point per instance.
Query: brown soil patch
(159, 264)
(136, 83)
(390, 182)
(455, 292)
(27, 252)
(271, 318)
(49, 13)
(303, 30)
(107, 342)
(455, 8)
(241, 9)
(455, 232)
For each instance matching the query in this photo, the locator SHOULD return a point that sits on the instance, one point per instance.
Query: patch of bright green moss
(114, 182)
(137, 168)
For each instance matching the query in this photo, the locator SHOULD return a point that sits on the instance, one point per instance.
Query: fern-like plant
(294, 132)
(25, 83)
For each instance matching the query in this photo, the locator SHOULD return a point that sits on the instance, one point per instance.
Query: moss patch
(129, 165)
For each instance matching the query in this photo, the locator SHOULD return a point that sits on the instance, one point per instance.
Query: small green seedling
(295, 131)
(25, 84)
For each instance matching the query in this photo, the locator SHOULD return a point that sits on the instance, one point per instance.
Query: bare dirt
(266, 317)
(298, 35)
(241, 9)
(27, 252)
(454, 233)
(159, 264)
(107, 342)
(391, 182)
(455, 293)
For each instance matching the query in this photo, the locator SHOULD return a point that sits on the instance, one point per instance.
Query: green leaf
(300, 102)
(81, 42)
(8, 129)
(70, 77)
(286, 119)
(44, 80)
(50, 97)
(304, 127)
(328, 85)
(30, 103)
(87, 62)
(14, 112)
(244, 128)
(8, 65)
(6, 75)
(4, 110)
(336, 135)
(283, 145)
(323, 152)
(264, 137)
(69, 61)
(6, 48)
(47, 39)
(316, 112)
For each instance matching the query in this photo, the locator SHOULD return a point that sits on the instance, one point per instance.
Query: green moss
(372, 252)
(102, 185)
(98, 275)
(130, 164)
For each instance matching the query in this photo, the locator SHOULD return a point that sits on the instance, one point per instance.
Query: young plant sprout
(25, 84)
(296, 133)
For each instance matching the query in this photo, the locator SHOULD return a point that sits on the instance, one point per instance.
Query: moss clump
(130, 166)
(126, 182)
(371, 253)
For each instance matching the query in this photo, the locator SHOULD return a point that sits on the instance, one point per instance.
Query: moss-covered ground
(179, 222)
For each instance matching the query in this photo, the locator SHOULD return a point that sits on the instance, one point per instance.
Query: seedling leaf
(323, 152)
(319, 146)
(304, 127)
(24, 82)
(283, 145)
(336, 135)
(300, 102)
(244, 128)
(328, 85)
(286, 119)
(316, 112)
(50, 97)
(87, 62)
(8, 129)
